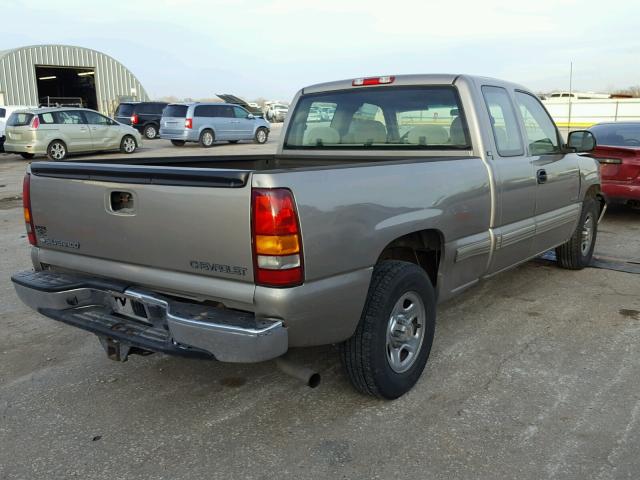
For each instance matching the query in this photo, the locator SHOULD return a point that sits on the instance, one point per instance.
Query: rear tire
(128, 144)
(399, 316)
(178, 143)
(207, 138)
(57, 151)
(261, 136)
(27, 156)
(577, 253)
(150, 132)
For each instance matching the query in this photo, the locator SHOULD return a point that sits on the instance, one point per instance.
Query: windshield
(406, 118)
(617, 135)
(175, 111)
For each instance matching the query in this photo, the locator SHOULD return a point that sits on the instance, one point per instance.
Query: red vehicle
(618, 151)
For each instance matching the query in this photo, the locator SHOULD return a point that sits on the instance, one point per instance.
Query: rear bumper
(621, 192)
(184, 135)
(164, 325)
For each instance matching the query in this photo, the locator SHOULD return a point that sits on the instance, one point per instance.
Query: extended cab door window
(504, 123)
(542, 136)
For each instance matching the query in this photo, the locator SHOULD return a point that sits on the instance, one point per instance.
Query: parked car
(277, 112)
(143, 116)
(58, 132)
(207, 123)
(618, 151)
(5, 113)
(350, 234)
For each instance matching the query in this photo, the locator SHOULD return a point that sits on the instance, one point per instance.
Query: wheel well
(594, 191)
(424, 248)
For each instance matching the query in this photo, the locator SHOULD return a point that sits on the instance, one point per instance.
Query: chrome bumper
(157, 324)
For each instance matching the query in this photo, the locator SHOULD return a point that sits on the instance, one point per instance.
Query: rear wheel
(150, 131)
(388, 352)
(207, 138)
(577, 253)
(128, 144)
(27, 156)
(261, 136)
(57, 150)
(178, 143)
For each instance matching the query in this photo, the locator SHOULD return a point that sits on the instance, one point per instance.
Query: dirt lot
(534, 374)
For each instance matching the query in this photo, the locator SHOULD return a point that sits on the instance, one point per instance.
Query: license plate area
(130, 308)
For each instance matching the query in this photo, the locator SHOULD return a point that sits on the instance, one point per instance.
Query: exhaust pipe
(308, 376)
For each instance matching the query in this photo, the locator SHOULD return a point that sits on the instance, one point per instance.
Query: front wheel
(57, 151)
(261, 136)
(389, 350)
(128, 144)
(576, 253)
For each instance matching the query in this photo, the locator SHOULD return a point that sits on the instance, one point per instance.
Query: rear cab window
(399, 118)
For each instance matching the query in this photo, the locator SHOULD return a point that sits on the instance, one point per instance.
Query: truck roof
(413, 79)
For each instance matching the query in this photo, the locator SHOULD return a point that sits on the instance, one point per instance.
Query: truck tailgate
(182, 219)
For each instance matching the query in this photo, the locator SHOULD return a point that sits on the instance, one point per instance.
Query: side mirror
(251, 116)
(581, 141)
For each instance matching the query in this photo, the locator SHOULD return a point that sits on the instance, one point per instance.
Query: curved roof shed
(63, 74)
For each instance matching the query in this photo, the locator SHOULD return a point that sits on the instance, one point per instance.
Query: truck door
(514, 224)
(557, 175)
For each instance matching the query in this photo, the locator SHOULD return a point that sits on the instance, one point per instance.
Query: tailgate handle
(121, 202)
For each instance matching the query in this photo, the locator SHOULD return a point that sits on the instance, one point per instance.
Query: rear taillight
(35, 123)
(277, 243)
(188, 122)
(26, 203)
(134, 119)
(363, 82)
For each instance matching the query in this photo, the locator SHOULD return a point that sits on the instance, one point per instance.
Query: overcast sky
(271, 48)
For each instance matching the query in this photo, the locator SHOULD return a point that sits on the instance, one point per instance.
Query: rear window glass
(403, 118)
(124, 110)
(617, 135)
(175, 111)
(18, 119)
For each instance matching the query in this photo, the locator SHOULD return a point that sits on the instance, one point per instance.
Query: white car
(57, 132)
(5, 113)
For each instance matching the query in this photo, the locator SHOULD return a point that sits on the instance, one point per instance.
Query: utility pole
(570, 95)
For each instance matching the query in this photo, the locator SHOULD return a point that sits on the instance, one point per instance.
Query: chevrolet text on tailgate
(386, 196)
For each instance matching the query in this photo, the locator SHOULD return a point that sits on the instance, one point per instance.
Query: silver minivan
(207, 123)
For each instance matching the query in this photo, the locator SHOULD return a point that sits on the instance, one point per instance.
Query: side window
(503, 121)
(69, 117)
(240, 112)
(3, 112)
(541, 132)
(46, 118)
(94, 118)
(225, 111)
(201, 111)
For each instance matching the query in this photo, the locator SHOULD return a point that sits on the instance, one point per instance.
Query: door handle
(541, 176)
